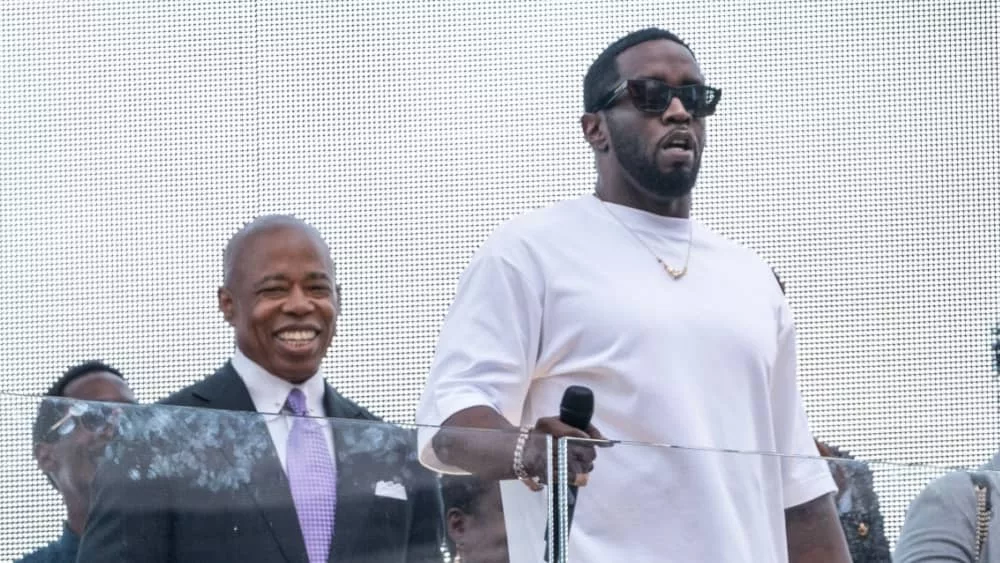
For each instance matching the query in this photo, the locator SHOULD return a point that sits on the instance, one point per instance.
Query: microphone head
(577, 407)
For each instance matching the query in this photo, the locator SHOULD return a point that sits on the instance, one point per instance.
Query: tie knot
(296, 402)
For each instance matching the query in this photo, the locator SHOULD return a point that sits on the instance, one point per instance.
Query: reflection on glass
(69, 435)
(474, 519)
(858, 506)
(189, 484)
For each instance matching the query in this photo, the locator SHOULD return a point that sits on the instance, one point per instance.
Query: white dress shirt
(269, 394)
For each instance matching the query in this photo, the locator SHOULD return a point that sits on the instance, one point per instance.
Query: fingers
(594, 433)
(558, 429)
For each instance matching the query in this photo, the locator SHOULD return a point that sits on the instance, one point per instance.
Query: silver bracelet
(533, 482)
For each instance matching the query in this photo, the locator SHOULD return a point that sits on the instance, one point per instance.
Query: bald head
(239, 242)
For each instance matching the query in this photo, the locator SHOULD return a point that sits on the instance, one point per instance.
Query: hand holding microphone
(573, 421)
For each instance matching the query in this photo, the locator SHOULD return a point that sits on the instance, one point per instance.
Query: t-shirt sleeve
(488, 345)
(802, 479)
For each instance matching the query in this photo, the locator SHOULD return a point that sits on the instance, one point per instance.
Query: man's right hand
(581, 454)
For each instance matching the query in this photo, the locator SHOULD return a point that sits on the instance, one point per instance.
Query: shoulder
(198, 393)
(343, 407)
(538, 227)
(954, 493)
(733, 250)
(739, 264)
(47, 554)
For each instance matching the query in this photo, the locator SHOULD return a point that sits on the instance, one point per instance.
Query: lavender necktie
(313, 479)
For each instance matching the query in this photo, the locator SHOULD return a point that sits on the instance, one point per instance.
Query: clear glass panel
(163, 483)
(645, 502)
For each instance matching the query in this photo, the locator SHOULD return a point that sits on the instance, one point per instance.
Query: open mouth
(297, 339)
(681, 140)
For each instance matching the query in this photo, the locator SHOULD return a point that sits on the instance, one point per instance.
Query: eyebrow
(311, 276)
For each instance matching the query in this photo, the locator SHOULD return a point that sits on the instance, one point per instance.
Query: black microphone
(576, 410)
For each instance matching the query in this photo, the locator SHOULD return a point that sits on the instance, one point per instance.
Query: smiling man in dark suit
(292, 487)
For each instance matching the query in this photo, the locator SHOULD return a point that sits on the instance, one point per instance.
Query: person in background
(474, 520)
(857, 506)
(954, 518)
(69, 437)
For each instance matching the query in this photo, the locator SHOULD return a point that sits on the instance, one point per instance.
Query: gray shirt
(941, 522)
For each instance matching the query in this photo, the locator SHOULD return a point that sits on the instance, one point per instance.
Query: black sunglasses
(93, 418)
(654, 96)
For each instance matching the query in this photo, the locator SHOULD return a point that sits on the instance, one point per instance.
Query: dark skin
(672, 63)
(480, 535)
(282, 301)
(813, 528)
(71, 461)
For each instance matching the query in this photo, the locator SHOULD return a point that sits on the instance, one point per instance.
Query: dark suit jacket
(221, 495)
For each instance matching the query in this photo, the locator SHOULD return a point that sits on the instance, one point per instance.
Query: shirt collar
(269, 392)
(643, 221)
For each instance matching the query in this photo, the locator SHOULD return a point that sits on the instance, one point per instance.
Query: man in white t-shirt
(683, 336)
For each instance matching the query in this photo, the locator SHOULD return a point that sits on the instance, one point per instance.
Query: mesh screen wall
(854, 148)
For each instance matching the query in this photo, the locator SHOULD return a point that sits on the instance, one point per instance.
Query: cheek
(260, 316)
(328, 311)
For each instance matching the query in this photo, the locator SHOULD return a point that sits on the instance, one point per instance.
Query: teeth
(297, 335)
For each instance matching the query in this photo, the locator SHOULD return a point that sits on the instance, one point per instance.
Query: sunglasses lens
(650, 96)
(654, 96)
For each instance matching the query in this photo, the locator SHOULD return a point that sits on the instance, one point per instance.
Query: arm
(490, 454)
(940, 524)
(482, 367)
(812, 525)
(482, 371)
(814, 533)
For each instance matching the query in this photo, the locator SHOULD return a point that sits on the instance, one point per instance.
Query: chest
(622, 303)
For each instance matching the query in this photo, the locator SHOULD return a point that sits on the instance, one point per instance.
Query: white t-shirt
(567, 296)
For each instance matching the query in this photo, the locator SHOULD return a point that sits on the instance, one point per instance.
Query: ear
(226, 305)
(594, 132)
(43, 455)
(455, 523)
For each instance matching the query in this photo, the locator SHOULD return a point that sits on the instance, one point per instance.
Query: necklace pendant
(676, 274)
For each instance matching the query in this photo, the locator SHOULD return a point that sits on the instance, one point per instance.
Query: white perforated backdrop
(855, 148)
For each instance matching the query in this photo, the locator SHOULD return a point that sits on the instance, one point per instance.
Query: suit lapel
(269, 486)
(355, 495)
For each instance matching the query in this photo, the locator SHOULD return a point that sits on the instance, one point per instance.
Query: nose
(676, 112)
(298, 303)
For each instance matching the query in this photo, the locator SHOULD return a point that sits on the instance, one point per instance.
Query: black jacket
(194, 485)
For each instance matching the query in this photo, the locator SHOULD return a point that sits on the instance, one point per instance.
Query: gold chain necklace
(674, 273)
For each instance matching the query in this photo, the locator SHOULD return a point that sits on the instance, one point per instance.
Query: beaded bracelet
(532, 482)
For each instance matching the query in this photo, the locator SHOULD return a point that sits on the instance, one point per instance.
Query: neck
(617, 192)
(76, 513)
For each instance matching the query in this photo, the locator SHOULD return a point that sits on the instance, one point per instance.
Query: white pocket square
(390, 489)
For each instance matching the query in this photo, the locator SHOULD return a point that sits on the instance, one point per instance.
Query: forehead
(282, 250)
(664, 59)
(99, 386)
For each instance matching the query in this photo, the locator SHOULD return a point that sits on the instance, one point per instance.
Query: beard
(643, 169)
